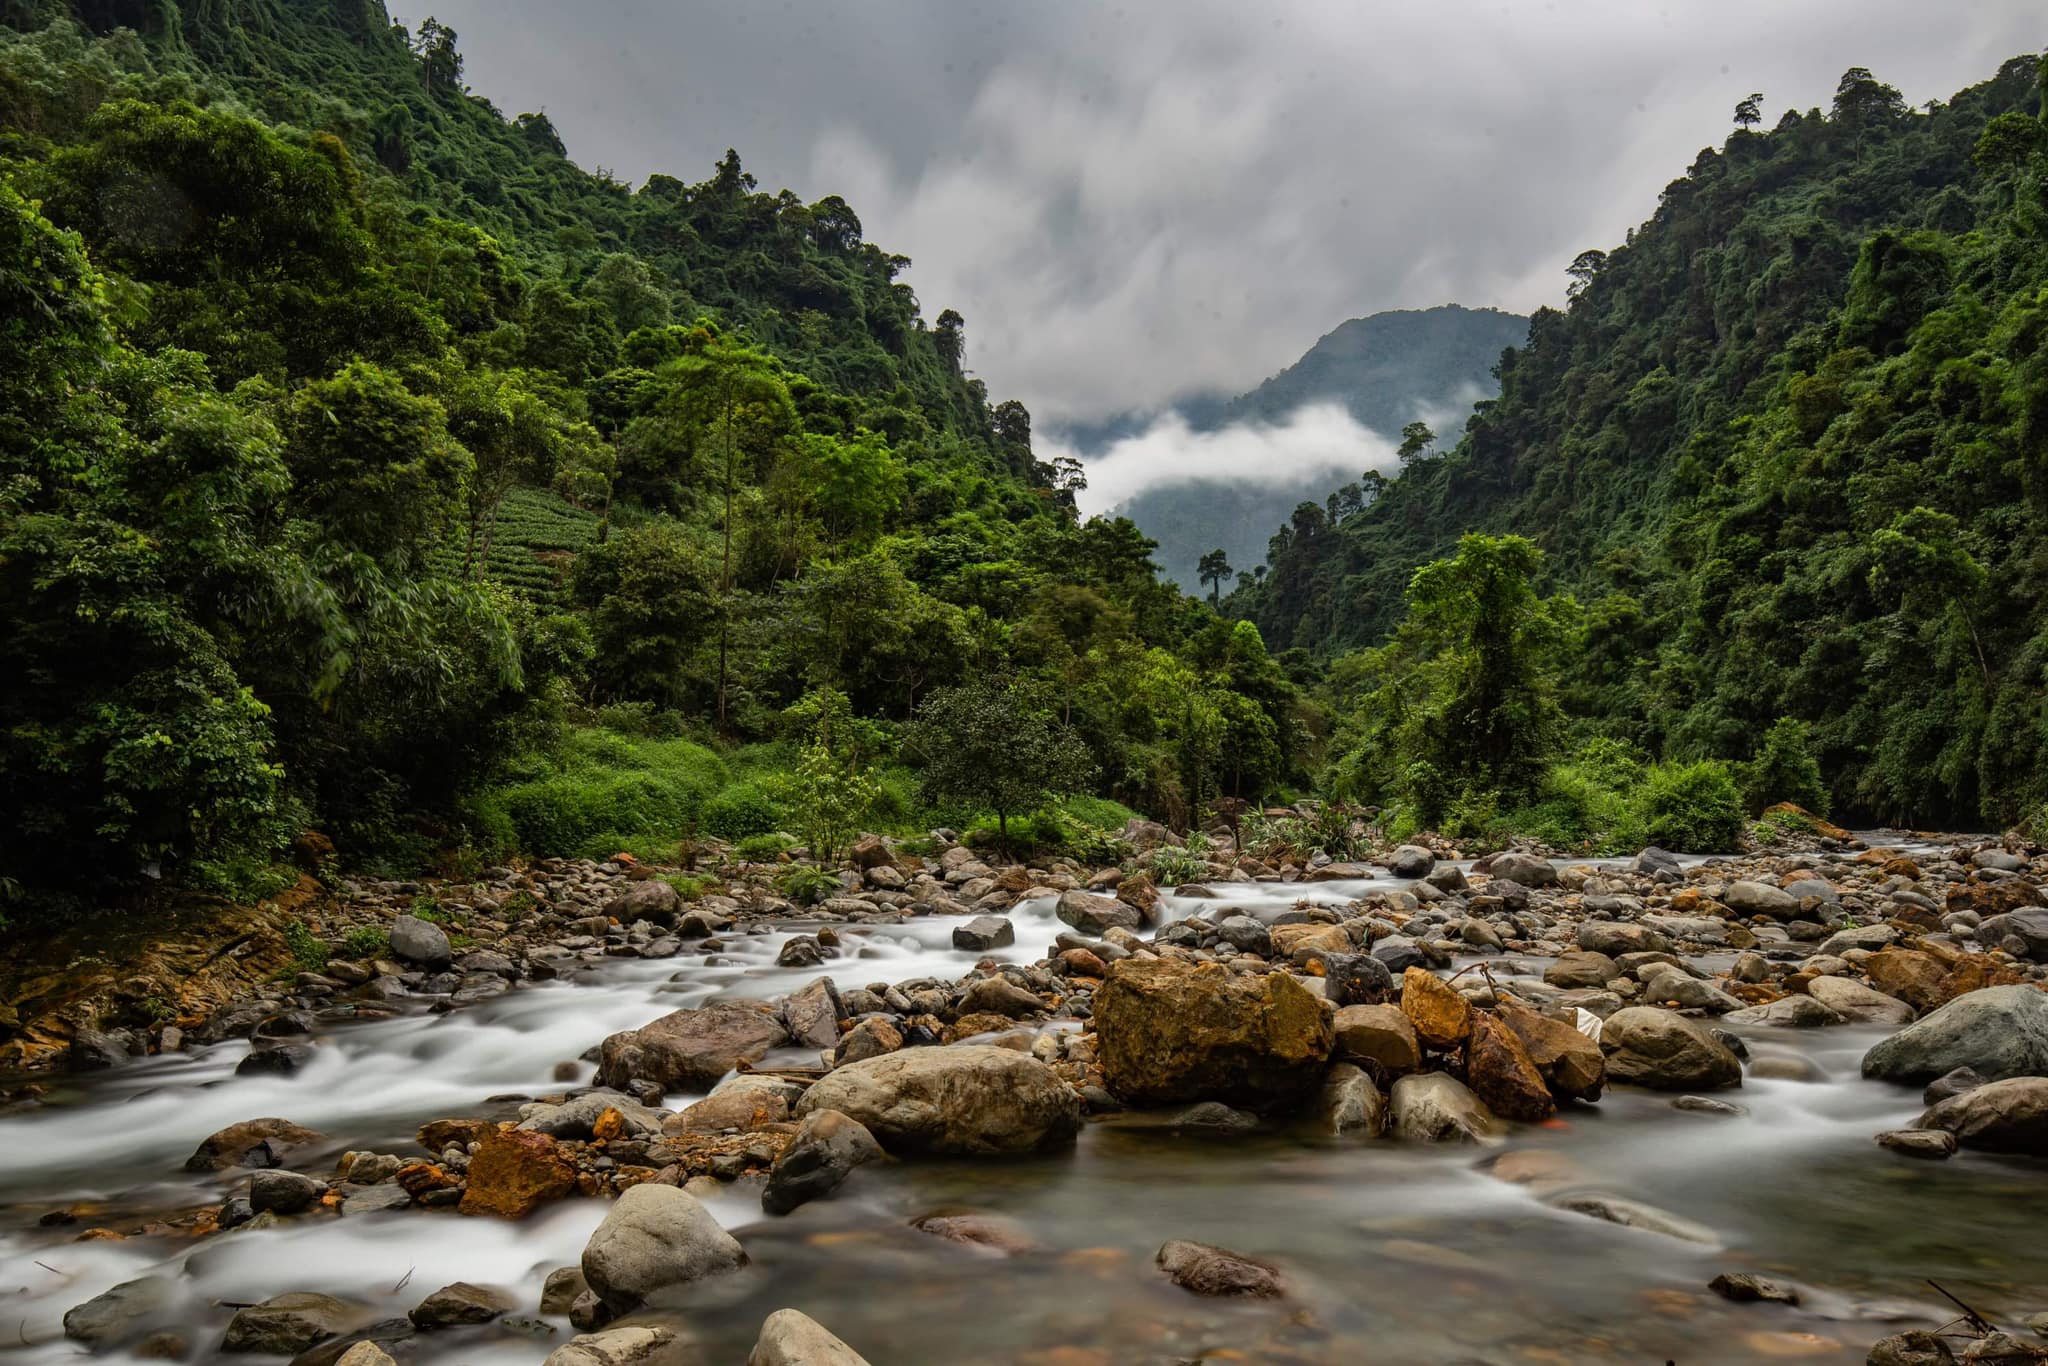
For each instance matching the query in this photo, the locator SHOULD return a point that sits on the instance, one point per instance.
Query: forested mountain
(1386, 369)
(1788, 446)
(368, 467)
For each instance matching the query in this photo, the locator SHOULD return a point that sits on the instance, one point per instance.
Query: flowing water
(1392, 1253)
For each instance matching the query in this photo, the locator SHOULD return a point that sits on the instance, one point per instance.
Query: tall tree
(1213, 569)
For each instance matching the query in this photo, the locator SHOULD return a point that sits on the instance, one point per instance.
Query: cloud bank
(1134, 203)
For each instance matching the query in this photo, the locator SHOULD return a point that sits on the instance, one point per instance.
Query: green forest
(1778, 471)
(376, 482)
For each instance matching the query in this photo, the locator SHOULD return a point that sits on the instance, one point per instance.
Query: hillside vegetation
(1786, 450)
(367, 467)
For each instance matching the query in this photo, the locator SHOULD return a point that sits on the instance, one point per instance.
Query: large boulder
(459, 1304)
(689, 1050)
(1205, 1269)
(979, 935)
(1411, 860)
(1442, 1018)
(1435, 1107)
(650, 899)
(121, 1312)
(1857, 1002)
(1378, 1038)
(1571, 1063)
(1649, 1047)
(628, 1346)
(285, 1325)
(1760, 898)
(514, 1172)
(1501, 1073)
(967, 1099)
(417, 941)
(1350, 1102)
(2028, 926)
(252, 1143)
(1097, 915)
(652, 1239)
(2009, 1116)
(827, 1147)
(1170, 1032)
(1999, 1032)
(741, 1103)
(789, 1338)
(1527, 869)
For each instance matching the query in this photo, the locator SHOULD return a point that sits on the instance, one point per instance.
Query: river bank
(1027, 1202)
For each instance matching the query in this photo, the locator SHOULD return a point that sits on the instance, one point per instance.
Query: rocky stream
(1776, 1106)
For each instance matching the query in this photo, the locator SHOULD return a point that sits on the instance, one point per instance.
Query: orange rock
(514, 1173)
(437, 1135)
(1912, 976)
(609, 1125)
(1442, 1018)
(421, 1177)
(1503, 1075)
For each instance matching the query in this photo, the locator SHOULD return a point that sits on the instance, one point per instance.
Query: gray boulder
(979, 935)
(1999, 1032)
(828, 1146)
(118, 1313)
(967, 1098)
(1760, 898)
(1435, 1107)
(460, 1303)
(1665, 1052)
(285, 1325)
(282, 1192)
(651, 900)
(1411, 860)
(1097, 915)
(417, 941)
(2009, 1116)
(613, 1347)
(1862, 1004)
(790, 1338)
(2029, 925)
(689, 1050)
(654, 1238)
(1526, 869)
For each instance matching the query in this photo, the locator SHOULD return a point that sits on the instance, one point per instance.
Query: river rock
(561, 1288)
(1788, 1012)
(1097, 915)
(1649, 1047)
(282, 1192)
(1582, 968)
(1205, 1269)
(1570, 1063)
(613, 1347)
(979, 935)
(1858, 1002)
(1310, 942)
(789, 1338)
(1927, 1144)
(1356, 979)
(1613, 937)
(1378, 1037)
(1999, 1032)
(744, 1102)
(1442, 1018)
(417, 941)
(1742, 1287)
(869, 1038)
(689, 1050)
(1665, 984)
(582, 1117)
(653, 1238)
(252, 1143)
(1501, 1073)
(1760, 898)
(998, 995)
(364, 1353)
(2009, 1116)
(1908, 975)
(461, 1303)
(1435, 1107)
(811, 1014)
(1411, 860)
(1635, 1214)
(285, 1325)
(828, 1146)
(115, 1314)
(651, 900)
(1350, 1103)
(971, 1099)
(2029, 926)
(1526, 869)
(1917, 1348)
(514, 1172)
(1170, 1032)
(1950, 1084)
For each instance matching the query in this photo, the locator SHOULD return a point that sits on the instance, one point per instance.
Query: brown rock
(871, 1038)
(514, 1173)
(438, 1135)
(1442, 1018)
(1140, 894)
(982, 1022)
(1205, 1269)
(1170, 1032)
(869, 851)
(1501, 1073)
(987, 1232)
(252, 1143)
(1293, 941)
(1571, 1063)
(1974, 972)
(998, 995)
(689, 1050)
(1081, 963)
(1378, 1038)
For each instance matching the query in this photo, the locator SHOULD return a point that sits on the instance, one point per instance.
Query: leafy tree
(833, 789)
(1749, 111)
(1416, 438)
(1214, 570)
(1785, 770)
(995, 744)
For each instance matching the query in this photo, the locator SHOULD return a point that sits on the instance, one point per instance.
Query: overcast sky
(1132, 202)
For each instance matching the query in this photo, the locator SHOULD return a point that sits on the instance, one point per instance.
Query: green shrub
(602, 792)
(738, 812)
(806, 884)
(1691, 808)
(764, 848)
(1785, 770)
(309, 952)
(365, 941)
(688, 886)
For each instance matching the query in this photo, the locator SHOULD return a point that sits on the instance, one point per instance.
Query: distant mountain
(1387, 369)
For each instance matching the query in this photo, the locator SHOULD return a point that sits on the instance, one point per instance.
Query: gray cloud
(1130, 203)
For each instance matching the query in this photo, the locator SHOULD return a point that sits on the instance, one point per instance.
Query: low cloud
(1318, 440)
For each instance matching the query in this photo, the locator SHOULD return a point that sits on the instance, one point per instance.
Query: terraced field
(537, 537)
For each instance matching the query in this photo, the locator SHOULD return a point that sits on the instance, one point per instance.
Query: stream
(1392, 1253)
